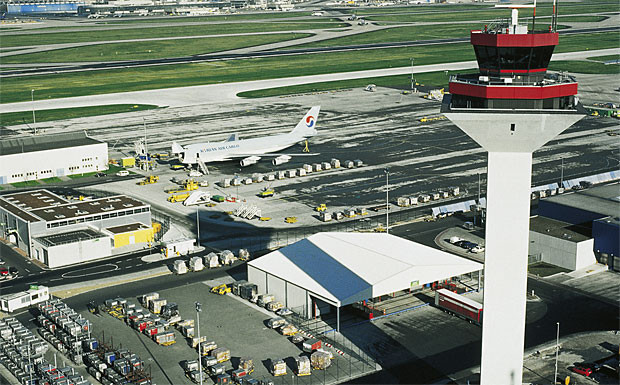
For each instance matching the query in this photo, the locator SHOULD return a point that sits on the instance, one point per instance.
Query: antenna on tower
(534, 19)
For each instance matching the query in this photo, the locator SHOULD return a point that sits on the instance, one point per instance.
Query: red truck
(459, 305)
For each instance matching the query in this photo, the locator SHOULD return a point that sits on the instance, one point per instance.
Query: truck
(178, 197)
(459, 305)
(149, 180)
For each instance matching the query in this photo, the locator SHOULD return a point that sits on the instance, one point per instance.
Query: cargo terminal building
(327, 271)
(56, 232)
(46, 156)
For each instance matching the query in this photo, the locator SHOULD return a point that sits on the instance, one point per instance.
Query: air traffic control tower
(512, 107)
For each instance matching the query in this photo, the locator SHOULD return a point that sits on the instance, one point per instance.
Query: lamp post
(411, 75)
(198, 310)
(387, 200)
(197, 226)
(34, 119)
(562, 173)
(557, 348)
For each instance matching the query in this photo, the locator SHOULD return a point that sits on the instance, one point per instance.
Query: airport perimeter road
(219, 93)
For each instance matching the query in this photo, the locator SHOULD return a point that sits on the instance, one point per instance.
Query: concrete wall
(72, 253)
(53, 163)
(259, 278)
(561, 252)
(277, 287)
(296, 297)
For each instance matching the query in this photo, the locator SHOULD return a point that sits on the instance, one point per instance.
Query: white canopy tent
(344, 268)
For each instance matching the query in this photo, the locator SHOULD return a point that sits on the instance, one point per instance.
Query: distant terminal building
(45, 156)
(593, 211)
(57, 232)
(46, 7)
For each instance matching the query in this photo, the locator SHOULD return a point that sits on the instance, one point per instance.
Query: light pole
(387, 200)
(562, 172)
(411, 75)
(34, 119)
(198, 310)
(197, 227)
(557, 348)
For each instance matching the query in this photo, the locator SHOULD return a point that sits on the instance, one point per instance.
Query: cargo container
(196, 376)
(217, 369)
(413, 201)
(403, 202)
(274, 305)
(257, 178)
(195, 341)
(248, 291)
(221, 354)
(238, 374)
(320, 360)
(225, 182)
(289, 330)
(291, 173)
(236, 182)
(424, 198)
(264, 299)
(207, 347)
(246, 364)
(165, 339)
(195, 264)
(224, 379)
(147, 298)
(236, 285)
(335, 163)
(170, 310)
(311, 345)
(212, 260)
(244, 255)
(188, 331)
(270, 177)
(348, 164)
(459, 305)
(308, 168)
(326, 165)
(317, 167)
(227, 257)
(179, 267)
(435, 196)
(455, 191)
(128, 162)
(209, 361)
(156, 305)
(358, 163)
(303, 366)
(325, 216)
(278, 367)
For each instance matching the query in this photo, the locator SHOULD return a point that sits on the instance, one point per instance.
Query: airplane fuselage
(223, 151)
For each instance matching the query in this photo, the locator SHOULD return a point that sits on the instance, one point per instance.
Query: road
(253, 55)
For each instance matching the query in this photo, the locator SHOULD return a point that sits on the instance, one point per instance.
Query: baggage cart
(207, 347)
(303, 366)
(221, 354)
(247, 364)
(224, 379)
(276, 322)
(278, 367)
(320, 360)
(216, 369)
(289, 330)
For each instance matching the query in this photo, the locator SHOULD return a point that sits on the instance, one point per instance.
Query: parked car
(4, 272)
(2, 262)
(584, 371)
(284, 311)
(100, 175)
(122, 173)
(469, 245)
(477, 249)
(13, 270)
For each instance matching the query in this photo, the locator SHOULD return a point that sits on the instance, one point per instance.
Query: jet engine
(250, 160)
(281, 160)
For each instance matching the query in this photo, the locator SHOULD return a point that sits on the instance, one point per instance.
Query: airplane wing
(271, 155)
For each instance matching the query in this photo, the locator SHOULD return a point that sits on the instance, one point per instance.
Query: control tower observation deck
(511, 107)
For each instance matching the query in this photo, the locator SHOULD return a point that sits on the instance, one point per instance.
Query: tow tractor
(221, 289)
(322, 207)
(92, 307)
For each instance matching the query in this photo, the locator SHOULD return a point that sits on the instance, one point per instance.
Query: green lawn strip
(28, 183)
(581, 19)
(437, 79)
(415, 9)
(16, 89)
(490, 14)
(232, 17)
(150, 49)
(420, 32)
(12, 118)
(19, 40)
(605, 58)
(583, 67)
(53, 179)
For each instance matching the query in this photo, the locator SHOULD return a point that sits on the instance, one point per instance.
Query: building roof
(559, 229)
(127, 228)
(343, 268)
(74, 210)
(69, 237)
(600, 199)
(45, 142)
(36, 199)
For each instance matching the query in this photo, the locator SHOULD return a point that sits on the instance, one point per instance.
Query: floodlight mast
(511, 107)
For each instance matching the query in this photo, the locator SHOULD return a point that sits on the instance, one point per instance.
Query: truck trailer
(459, 305)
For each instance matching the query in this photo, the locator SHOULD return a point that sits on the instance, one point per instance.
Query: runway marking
(56, 279)
(108, 268)
(27, 270)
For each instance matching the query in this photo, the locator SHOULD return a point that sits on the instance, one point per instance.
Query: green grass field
(437, 79)
(29, 183)
(231, 17)
(22, 117)
(584, 67)
(581, 19)
(605, 58)
(20, 40)
(149, 49)
(53, 179)
(398, 34)
(155, 77)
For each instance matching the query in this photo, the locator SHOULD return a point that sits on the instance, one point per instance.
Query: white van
(122, 173)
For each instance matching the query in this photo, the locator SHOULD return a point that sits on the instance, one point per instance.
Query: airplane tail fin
(307, 125)
(176, 148)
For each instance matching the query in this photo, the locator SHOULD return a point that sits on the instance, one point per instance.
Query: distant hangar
(46, 156)
(327, 271)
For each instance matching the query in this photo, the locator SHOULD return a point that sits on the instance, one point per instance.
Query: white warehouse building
(327, 271)
(45, 156)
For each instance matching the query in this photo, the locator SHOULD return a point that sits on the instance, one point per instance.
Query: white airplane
(250, 150)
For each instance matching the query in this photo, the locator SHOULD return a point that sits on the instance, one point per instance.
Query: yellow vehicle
(268, 192)
(188, 185)
(321, 207)
(149, 180)
(177, 167)
(221, 289)
(264, 219)
(178, 197)
(290, 219)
